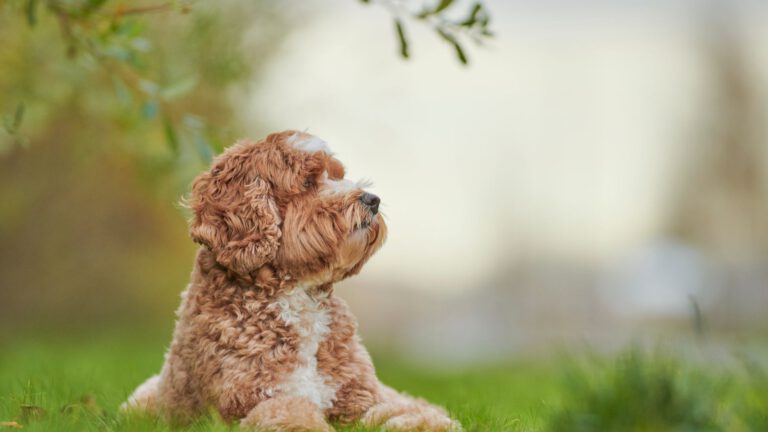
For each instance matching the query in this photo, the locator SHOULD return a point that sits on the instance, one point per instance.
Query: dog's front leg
(286, 414)
(144, 398)
(400, 412)
(169, 393)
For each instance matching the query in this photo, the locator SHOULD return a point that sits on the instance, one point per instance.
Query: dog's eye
(309, 183)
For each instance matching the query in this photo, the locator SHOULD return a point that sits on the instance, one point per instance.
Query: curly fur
(260, 336)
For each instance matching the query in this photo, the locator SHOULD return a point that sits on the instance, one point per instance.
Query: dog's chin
(362, 226)
(363, 240)
(369, 223)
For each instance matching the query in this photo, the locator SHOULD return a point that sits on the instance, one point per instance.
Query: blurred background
(596, 174)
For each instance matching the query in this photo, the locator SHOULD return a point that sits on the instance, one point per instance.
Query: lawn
(77, 386)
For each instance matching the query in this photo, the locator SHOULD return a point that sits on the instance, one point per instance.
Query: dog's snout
(371, 201)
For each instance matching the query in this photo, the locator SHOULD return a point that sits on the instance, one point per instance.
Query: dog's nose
(371, 201)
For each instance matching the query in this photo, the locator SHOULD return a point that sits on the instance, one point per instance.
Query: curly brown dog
(260, 336)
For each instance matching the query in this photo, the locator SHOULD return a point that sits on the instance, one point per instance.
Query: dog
(260, 336)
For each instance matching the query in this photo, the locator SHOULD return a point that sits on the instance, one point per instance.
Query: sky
(564, 138)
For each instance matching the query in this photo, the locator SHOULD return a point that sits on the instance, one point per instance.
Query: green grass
(76, 385)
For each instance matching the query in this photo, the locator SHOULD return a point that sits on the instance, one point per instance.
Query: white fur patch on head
(332, 187)
(308, 143)
(306, 314)
(342, 186)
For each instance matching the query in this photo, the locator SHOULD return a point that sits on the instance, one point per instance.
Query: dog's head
(281, 208)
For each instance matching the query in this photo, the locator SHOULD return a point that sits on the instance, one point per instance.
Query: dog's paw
(286, 414)
(416, 416)
(422, 421)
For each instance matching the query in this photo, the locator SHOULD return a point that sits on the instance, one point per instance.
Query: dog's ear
(235, 216)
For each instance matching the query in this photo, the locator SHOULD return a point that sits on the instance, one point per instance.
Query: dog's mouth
(364, 225)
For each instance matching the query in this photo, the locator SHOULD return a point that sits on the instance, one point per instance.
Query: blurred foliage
(754, 407)
(474, 25)
(642, 391)
(150, 78)
(110, 111)
(149, 73)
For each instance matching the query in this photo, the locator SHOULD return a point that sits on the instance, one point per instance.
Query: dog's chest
(310, 318)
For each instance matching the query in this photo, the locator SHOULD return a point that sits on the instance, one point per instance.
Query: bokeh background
(596, 175)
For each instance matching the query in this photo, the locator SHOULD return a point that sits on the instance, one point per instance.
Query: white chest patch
(305, 313)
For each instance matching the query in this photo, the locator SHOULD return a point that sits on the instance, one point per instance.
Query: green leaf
(460, 54)
(8, 124)
(116, 52)
(18, 116)
(122, 92)
(443, 5)
(402, 38)
(204, 148)
(11, 123)
(149, 87)
(91, 6)
(141, 44)
(423, 14)
(170, 135)
(31, 12)
(129, 28)
(193, 122)
(427, 12)
(456, 46)
(179, 88)
(149, 109)
(472, 18)
(484, 19)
